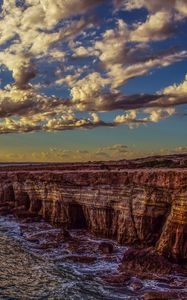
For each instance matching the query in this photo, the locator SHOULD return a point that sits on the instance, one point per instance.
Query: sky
(85, 80)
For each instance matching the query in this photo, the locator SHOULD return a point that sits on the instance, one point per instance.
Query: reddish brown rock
(106, 248)
(136, 284)
(158, 295)
(144, 262)
(127, 201)
(148, 265)
(117, 279)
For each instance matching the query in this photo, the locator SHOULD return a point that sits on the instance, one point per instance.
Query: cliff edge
(141, 206)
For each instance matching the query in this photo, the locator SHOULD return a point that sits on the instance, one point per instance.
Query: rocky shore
(142, 207)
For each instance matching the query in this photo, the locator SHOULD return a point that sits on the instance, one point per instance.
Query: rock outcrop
(141, 207)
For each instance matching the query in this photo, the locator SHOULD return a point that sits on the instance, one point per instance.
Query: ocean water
(32, 266)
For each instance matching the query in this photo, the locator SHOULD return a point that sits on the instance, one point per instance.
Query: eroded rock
(137, 206)
(106, 247)
(146, 261)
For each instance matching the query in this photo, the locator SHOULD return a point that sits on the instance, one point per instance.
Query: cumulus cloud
(180, 89)
(88, 64)
(27, 28)
(86, 93)
(27, 111)
(174, 6)
(16, 102)
(120, 75)
(161, 20)
(111, 49)
(122, 61)
(172, 96)
(157, 114)
(130, 118)
(157, 27)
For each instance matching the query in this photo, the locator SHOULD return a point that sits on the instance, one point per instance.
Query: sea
(33, 266)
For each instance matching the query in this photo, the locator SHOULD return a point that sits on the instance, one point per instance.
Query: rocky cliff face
(144, 207)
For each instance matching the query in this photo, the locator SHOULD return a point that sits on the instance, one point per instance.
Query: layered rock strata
(143, 207)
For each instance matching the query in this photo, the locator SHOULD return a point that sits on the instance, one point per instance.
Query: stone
(144, 262)
(135, 203)
(106, 248)
(136, 284)
(117, 279)
(160, 295)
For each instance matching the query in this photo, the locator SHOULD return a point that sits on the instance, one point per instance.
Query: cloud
(157, 27)
(107, 152)
(120, 74)
(180, 149)
(111, 48)
(16, 102)
(180, 89)
(122, 61)
(173, 95)
(27, 29)
(60, 45)
(27, 111)
(86, 93)
(130, 118)
(173, 6)
(161, 20)
(117, 148)
(158, 114)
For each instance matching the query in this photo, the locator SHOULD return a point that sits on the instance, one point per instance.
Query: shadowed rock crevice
(144, 207)
(7, 198)
(76, 216)
(23, 200)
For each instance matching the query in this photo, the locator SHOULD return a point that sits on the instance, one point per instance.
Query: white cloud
(158, 114)
(180, 89)
(120, 74)
(86, 92)
(90, 64)
(157, 27)
(173, 6)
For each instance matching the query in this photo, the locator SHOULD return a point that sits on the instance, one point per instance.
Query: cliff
(142, 207)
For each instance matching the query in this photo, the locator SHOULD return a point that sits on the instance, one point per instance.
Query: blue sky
(92, 80)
